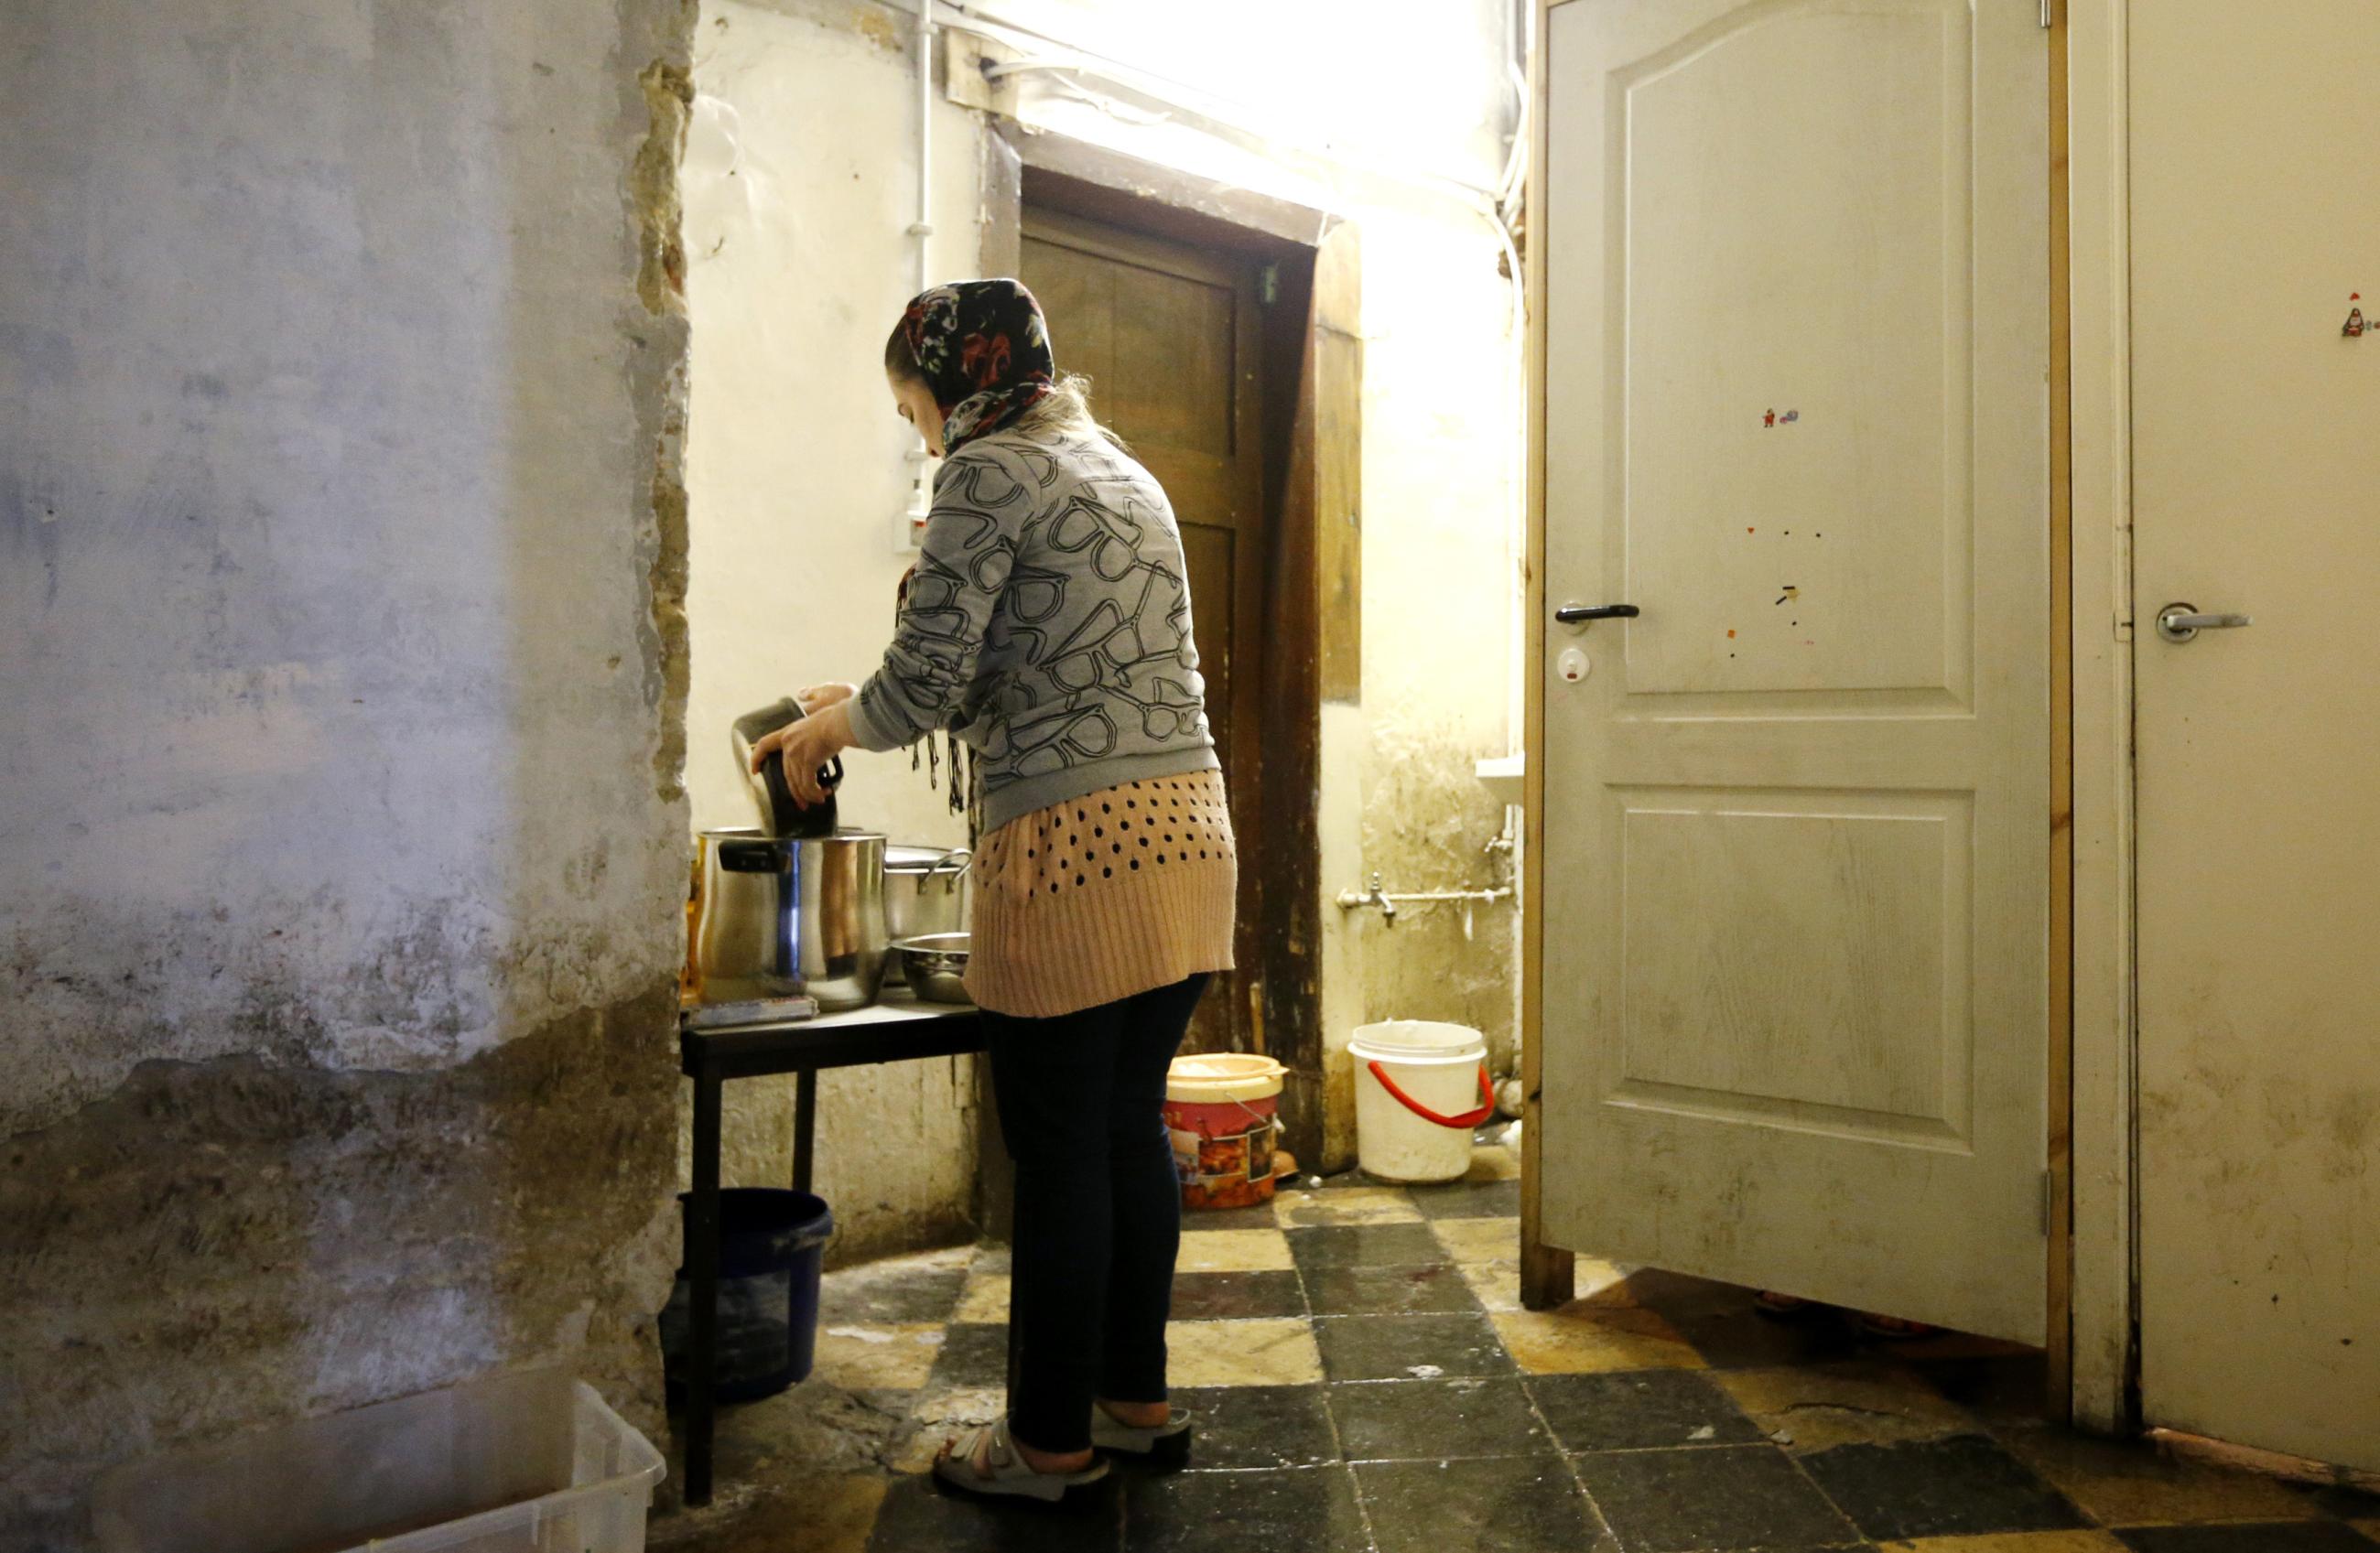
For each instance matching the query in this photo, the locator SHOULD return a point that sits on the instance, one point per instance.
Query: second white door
(2257, 492)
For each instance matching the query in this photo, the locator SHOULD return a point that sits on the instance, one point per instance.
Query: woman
(1048, 625)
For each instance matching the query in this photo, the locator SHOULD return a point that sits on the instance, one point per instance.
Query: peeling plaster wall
(800, 186)
(1439, 469)
(341, 838)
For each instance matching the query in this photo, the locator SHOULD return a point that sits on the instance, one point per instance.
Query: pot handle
(963, 858)
(753, 854)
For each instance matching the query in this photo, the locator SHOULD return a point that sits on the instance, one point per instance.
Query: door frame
(2105, 1349)
(2090, 1247)
(1314, 585)
(1547, 1273)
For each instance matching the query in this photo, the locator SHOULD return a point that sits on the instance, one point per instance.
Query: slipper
(1892, 1328)
(1169, 1441)
(986, 1461)
(1786, 1308)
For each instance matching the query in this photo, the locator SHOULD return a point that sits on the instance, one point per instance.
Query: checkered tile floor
(1366, 1379)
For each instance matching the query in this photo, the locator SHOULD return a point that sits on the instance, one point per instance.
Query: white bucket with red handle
(1420, 1089)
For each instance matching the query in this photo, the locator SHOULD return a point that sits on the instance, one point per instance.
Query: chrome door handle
(2179, 622)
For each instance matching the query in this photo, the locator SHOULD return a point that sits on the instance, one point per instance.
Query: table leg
(805, 1126)
(702, 1277)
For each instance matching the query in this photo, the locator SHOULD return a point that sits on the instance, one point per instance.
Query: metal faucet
(1376, 896)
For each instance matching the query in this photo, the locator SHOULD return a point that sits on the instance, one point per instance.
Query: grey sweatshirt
(1048, 625)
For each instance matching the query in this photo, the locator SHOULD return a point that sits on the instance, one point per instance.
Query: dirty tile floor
(1366, 1379)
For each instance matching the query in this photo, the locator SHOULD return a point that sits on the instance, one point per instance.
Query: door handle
(2179, 622)
(1579, 614)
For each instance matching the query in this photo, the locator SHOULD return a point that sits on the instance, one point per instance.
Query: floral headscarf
(983, 348)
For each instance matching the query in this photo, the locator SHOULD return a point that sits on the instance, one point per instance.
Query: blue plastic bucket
(771, 1246)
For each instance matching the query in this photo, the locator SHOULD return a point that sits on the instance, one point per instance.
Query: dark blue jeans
(1099, 1207)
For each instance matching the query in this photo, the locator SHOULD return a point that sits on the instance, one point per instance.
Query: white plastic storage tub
(1420, 1089)
(518, 1463)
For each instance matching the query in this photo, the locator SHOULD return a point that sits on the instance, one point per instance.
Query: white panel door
(2257, 491)
(1797, 812)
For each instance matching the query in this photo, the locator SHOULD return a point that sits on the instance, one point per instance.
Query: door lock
(2179, 623)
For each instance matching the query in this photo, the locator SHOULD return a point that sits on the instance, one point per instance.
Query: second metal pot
(775, 918)
(925, 891)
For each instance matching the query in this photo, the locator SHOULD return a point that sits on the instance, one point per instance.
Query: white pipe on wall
(923, 227)
(908, 531)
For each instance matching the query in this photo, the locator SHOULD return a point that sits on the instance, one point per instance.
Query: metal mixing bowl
(935, 964)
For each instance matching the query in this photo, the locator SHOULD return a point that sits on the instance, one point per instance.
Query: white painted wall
(800, 184)
(1441, 489)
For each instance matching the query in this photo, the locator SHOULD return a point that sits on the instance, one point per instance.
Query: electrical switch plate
(909, 523)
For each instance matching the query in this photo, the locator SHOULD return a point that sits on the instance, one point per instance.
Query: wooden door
(1168, 336)
(2257, 490)
(1796, 814)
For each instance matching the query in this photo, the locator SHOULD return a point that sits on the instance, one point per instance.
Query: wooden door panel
(1793, 463)
(1797, 813)
(1161, 349)
(1208, 552)
(1173, 383)
(1079, 289)
(1788, 965)
(1214, 624)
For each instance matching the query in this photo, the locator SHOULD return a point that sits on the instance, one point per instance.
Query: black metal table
(898, 1029)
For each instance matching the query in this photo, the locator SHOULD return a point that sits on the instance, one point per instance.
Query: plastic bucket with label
(1420, 1089)
(1221, 1109)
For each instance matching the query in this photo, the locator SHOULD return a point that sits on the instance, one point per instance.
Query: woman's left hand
(816, 699)
(806, 746)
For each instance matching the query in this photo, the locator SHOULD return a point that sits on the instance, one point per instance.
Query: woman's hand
(816, 699)
(806, 746)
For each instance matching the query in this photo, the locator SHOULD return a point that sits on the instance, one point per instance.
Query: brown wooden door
(1168, 334)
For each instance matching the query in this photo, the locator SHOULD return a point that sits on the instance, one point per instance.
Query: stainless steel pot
(925, 891)
(775, 918)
